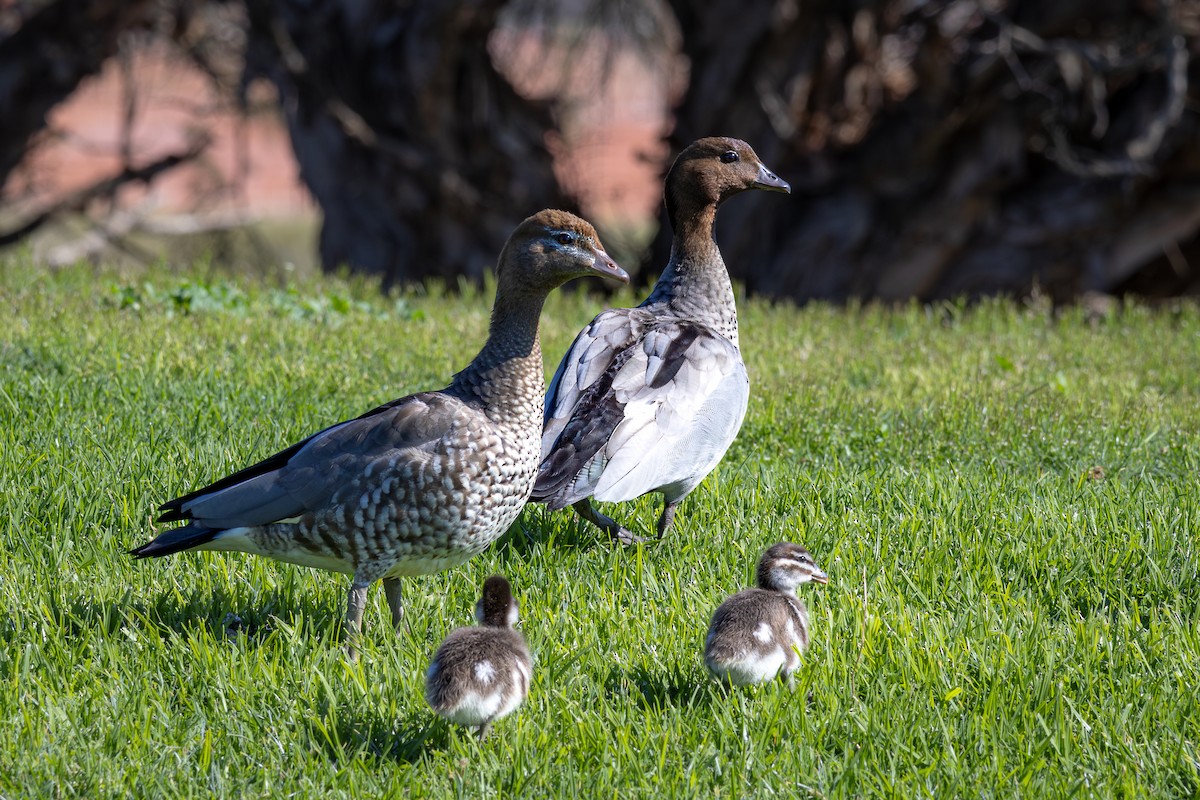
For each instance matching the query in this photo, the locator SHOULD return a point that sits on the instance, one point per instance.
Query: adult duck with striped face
(419, 484)
(648, 399)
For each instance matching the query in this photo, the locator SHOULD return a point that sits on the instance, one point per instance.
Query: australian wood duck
(758, 634)
(419, 484)
(481, 674)
(648, 399)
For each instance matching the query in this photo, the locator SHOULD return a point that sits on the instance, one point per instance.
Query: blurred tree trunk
(43, 60)
(947, 148)
(937, 147)
(421, 156)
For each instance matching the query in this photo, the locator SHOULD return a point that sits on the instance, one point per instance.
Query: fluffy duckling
(481, 674)
(648, 399)
(757, 634)
(422, 483)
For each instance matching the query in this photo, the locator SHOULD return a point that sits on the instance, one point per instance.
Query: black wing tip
(550, 491)
(148, 550)
(145, 551)
(174, 541)
(547, 485)
(551, 502)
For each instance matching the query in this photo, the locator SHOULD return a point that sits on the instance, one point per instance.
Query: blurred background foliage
(937, 148)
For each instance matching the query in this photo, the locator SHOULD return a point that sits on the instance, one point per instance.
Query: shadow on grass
(536, 528)
(217, 613)
(655, 691)
(532, 531)
(343, 734)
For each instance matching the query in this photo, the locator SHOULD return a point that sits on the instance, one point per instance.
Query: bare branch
(1069, 58)
(115, 230)
(1145, 147)
(78, 201)
(43, 61)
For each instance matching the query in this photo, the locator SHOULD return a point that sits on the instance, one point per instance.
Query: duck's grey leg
(355, 605)
(668, 516)
(484, 729)
(606, 523)
(391, 587)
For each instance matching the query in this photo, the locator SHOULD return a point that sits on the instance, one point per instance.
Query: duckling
(758, 634)
(481, 674)
(422, 483)
(648, 399)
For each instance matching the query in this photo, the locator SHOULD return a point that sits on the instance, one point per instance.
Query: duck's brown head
(549, 249)
(710, 170)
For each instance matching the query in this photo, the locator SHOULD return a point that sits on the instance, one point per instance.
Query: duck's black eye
(564, 238)
(729, 156)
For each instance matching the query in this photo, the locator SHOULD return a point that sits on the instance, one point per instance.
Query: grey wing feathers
(680, 418)
(661, 413)
(590, 356)
(308, 475)
(581, 411)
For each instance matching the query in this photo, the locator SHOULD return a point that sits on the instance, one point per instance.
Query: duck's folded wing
(587, 361)
(680, 417)
(306, 476)
(662, 414)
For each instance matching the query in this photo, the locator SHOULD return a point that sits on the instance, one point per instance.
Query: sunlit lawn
(1005, 499)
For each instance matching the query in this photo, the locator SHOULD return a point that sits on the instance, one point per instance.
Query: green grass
(1000, 620)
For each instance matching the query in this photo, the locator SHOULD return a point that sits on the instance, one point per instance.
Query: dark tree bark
(937, 147)
(421, 155)
(939, 150)
(43, 60)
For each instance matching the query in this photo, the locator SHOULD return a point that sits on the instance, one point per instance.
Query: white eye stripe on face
(793, 563)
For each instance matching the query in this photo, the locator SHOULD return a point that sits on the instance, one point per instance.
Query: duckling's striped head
(497, 607)
(786, 566)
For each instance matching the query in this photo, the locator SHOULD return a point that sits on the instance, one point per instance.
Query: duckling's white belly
(752, 651)
(476, 709)
(757, 668)
(478, 703)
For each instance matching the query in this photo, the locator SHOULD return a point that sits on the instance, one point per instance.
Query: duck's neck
(695, 283)
(506, 379)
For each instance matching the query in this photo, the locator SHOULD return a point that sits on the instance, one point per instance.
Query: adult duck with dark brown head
(648, 399)
(419, 484)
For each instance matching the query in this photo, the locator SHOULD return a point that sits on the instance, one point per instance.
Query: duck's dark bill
(605, 266)
(772, 182)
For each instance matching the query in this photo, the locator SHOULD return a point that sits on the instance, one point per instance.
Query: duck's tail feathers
(176, 540)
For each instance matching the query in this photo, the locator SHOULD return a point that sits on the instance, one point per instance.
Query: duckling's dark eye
(564, 238)
(729, 156)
